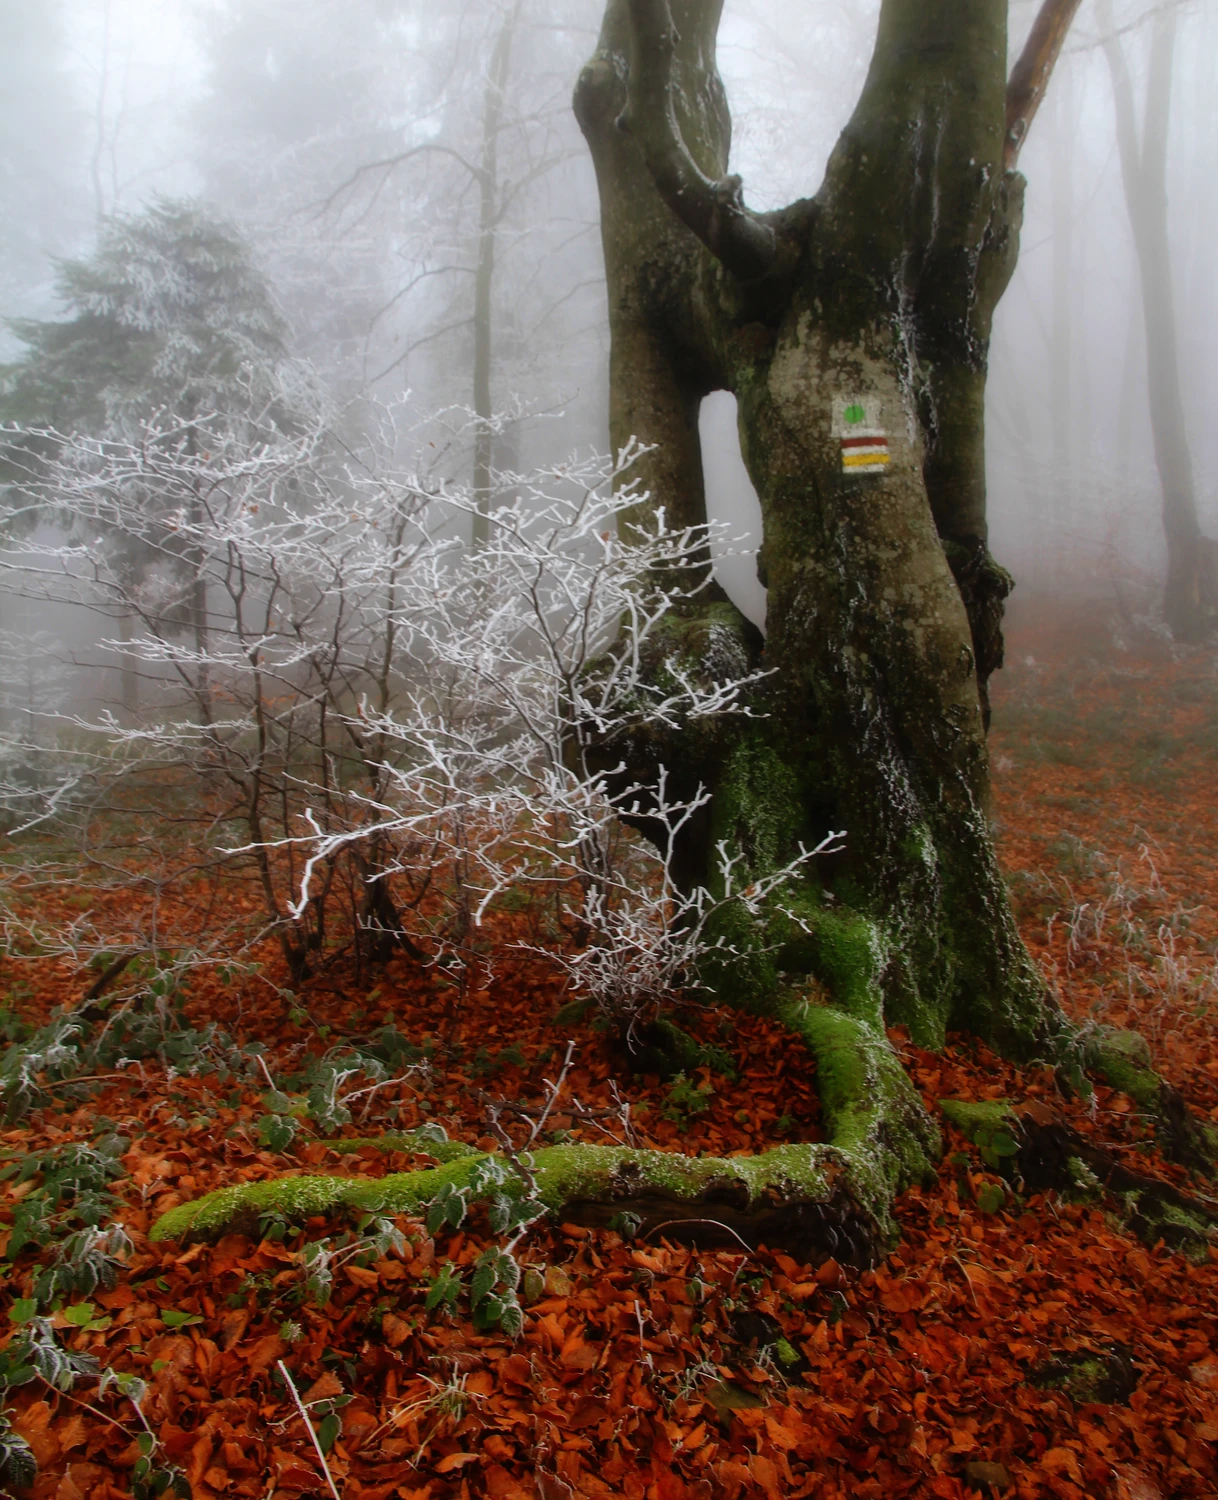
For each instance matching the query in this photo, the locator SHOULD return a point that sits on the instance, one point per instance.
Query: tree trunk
(196, 563)
(853, 329)
(484, 271)
(1190, 598)
(128, 674)
(1062, 363)
(872, 311)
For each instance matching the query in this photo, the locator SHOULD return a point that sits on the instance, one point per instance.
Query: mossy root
(1122, 1059)
(812, 1199)
(1032, 1145)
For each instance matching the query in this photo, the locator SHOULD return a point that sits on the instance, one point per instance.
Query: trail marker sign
(858, 428)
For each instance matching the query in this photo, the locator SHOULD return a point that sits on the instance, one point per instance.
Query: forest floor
(645, 1369)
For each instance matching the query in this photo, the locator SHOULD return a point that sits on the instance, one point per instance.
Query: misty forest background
(292, 294)
(351, 143)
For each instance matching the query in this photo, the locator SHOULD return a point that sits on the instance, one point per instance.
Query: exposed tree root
(1032, 1144)
(664, 1049)
(805, 1198)
(812, 1199)
(90, 1011)
(1088, 1377)
(1122, 1059)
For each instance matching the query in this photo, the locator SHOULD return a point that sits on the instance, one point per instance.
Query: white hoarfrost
(375, 712)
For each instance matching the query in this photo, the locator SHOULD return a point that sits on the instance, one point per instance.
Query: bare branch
(1030, 76)
(312, 1431)
(387, 164)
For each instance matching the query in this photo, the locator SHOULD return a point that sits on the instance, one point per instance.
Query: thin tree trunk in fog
(1129, 369)
(484, 275)
(1061, 389)
(198, 611)
(198, 597)
(128, 676)
(1031, 468)
(1188, 601)
(99, 145)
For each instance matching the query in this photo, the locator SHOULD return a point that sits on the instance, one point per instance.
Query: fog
(351, 142)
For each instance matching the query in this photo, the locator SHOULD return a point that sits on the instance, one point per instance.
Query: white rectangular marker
(864, 442)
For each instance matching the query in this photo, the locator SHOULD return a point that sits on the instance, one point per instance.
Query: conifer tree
(171, 327)
(169, 313)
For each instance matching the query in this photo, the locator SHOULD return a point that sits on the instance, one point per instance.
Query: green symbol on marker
(854, 414)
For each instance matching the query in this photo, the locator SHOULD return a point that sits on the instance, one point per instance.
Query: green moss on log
(425, 1140)
(977, 1120)
(871, 1110)
(835, 1197)
(300, 1198)
(1122, 1059)
(566, 1175)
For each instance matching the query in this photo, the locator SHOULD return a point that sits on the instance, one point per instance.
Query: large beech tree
(853, 328)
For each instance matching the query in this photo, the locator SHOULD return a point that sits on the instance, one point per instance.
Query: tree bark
(1190, 599)
(128, 675)
(884, 604)
(1061, 351)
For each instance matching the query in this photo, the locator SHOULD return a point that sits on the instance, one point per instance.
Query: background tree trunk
(128, 675)
(484, 271)
(1061, 386)
(1189, 598)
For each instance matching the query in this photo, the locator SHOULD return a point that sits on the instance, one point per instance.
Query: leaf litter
(645, 1369)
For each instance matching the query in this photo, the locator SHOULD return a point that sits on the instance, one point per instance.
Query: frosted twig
(554, 1090)
(312, 1431)
(718, 1223)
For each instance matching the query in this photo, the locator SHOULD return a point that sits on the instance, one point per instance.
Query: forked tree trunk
(853, 329)
(865, 309)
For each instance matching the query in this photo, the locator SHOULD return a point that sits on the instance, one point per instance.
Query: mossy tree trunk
(870, 302)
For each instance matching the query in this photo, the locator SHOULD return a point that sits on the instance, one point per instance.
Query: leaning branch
(387, 165)
(713, 210)
(1030, 75)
